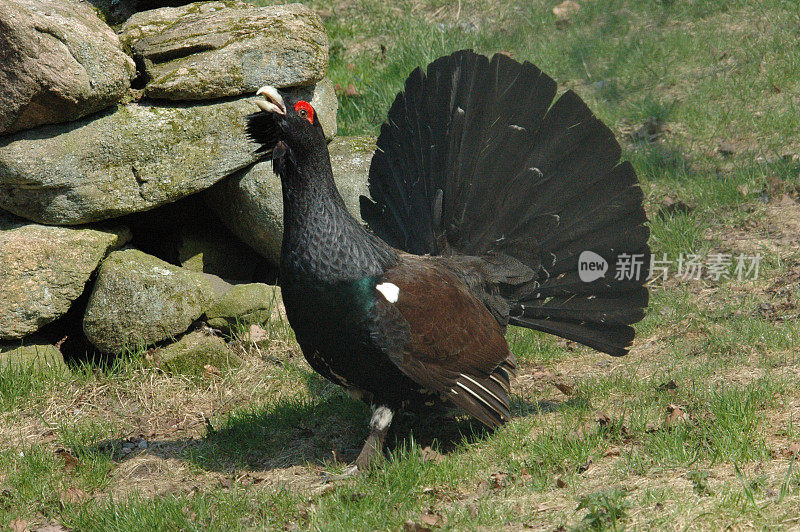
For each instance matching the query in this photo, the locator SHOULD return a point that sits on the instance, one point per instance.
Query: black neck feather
(321, 239)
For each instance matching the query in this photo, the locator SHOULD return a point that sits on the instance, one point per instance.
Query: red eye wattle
(305, 110)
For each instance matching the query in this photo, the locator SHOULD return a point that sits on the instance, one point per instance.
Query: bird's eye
(305, 110)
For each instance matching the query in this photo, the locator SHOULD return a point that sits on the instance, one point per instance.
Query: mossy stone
(209, 50)
(141, 300)
(192, 353)
(44, 269)
(140, 156)
(244, 304)
(37, 356)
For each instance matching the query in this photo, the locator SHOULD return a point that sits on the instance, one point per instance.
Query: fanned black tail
(475, 159)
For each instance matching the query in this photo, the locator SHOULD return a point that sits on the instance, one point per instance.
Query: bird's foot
(350, 471)
(373, 448)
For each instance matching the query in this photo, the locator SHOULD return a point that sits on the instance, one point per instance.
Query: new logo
(591, 266)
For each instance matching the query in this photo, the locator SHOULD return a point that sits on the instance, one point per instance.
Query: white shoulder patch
(390, 291)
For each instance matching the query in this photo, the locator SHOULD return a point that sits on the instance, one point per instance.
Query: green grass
(693, 429)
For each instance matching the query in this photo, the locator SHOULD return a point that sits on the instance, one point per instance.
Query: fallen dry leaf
(70, 462)
(411, 526)
(431, 455)
(566, 9)
(351, 91)
(676, 414)
(430, 519)
(74, 496)
(209, 370)
(257, 333)
(18, 525)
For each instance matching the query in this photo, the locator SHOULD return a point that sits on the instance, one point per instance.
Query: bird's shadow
(321, 431)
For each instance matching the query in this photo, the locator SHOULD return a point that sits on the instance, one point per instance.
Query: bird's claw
(349, 472)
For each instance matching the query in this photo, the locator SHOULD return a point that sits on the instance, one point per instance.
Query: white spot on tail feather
(390, 291)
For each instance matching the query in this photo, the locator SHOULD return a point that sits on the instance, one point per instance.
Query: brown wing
(444, 338)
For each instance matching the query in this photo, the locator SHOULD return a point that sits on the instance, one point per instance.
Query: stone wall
(132, 201)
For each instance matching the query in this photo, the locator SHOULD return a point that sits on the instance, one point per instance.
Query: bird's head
(285, 125)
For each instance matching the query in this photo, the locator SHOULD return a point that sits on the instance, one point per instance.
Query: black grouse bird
(484, 194)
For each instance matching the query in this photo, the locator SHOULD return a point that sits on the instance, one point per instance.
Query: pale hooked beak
(273, 102)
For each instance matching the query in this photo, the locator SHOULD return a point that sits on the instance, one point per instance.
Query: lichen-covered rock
(322, 98)
(58, 62)
(218, 284)
(244, 304)
(250, 202)
(36, 356)
(44, 269)
(131, 160)
(218, 49)
(140, 300)
(192, 354)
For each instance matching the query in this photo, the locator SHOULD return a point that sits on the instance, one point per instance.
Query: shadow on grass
(319, 431)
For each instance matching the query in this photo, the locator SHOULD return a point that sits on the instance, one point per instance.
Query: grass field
(698, 427)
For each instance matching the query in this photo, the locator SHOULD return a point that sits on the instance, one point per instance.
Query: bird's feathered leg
(378, 428)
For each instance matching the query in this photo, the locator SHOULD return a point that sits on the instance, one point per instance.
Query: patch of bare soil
(155, 422)
(777, 232)
(785, 215)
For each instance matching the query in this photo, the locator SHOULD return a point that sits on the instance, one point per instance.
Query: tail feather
(476, 159)
(608, 339)
(485, 396)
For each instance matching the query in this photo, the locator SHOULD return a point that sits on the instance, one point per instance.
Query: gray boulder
(132, 160)
(251, 205)
(58, 62)
(322, 98)
(44, 269)
(218, 49)
(141, 300)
